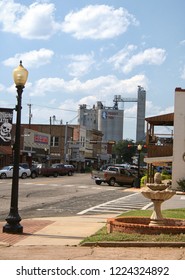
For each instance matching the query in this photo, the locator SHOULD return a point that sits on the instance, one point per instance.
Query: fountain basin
(158, 195)
(141, 225)
(157, 187)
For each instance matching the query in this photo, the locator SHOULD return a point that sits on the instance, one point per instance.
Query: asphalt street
(67, 196)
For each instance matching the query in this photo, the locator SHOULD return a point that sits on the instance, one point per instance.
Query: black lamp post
(20, 75)
(139, 148)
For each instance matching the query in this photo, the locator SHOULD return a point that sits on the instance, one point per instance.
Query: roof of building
(167, 119)
(178, 89)
(158, 160)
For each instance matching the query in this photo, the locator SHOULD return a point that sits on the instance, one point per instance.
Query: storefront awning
(27, 152)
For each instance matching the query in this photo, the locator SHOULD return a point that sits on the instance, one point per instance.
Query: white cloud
(150, 56)
(130, 85)
(46, 85)
(70, 116)
(37, 21)
(74, 105)
(9, 12)
(98, 22)
(102, 88)
(153, 110)
(42, 114)
(90, 100)
(131, 112)
(122, 56)
(32, 59)
(33, 22)
(11, 89)
(167, 110)
(80, 64)
(126, 61)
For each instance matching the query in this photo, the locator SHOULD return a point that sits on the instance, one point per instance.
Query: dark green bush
(181, 183)
(88, 169)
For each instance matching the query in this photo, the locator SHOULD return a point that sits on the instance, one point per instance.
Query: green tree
(124, 151)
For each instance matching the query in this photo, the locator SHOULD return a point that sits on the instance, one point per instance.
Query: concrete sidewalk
(64, 231)
(59, 238)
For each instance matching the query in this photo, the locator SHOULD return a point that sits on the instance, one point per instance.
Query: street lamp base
(13, 228)
(13, 222)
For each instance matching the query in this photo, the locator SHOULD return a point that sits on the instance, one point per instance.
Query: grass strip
(103, 236)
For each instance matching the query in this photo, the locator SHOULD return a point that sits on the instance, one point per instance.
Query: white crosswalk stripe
(131, 202)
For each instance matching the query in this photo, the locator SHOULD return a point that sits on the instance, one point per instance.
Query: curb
(134, 244)
(180, 193)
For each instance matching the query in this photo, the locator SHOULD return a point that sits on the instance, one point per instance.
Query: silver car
(7, 172)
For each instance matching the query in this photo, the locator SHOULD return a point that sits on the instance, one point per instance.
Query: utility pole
(51, 139)
(30, 114)
(65, 143)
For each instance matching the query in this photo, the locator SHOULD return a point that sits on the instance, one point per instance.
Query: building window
(82, 140)
(54, 141)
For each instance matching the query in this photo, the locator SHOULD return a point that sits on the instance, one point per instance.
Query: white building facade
(178, 166)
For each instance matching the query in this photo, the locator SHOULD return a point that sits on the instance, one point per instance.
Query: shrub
(88, 169)
(163, 177)
(181, 183)
(166, 176)
(143, 181)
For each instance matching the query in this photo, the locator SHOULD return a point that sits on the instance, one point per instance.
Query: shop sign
(6, 117)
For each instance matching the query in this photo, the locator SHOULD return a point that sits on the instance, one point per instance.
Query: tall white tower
(141, 100)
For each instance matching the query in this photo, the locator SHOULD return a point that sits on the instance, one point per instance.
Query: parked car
(7, 172)
(64, 169)
(50, 171)
(34, 170)
(70, 169)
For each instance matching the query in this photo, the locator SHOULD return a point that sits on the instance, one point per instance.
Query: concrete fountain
(158, 193)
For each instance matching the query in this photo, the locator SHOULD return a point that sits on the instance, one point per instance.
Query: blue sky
(81, 52)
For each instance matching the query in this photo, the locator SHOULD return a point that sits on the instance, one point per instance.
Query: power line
(54, 108)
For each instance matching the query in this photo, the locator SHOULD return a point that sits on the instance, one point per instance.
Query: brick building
(48, 144)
